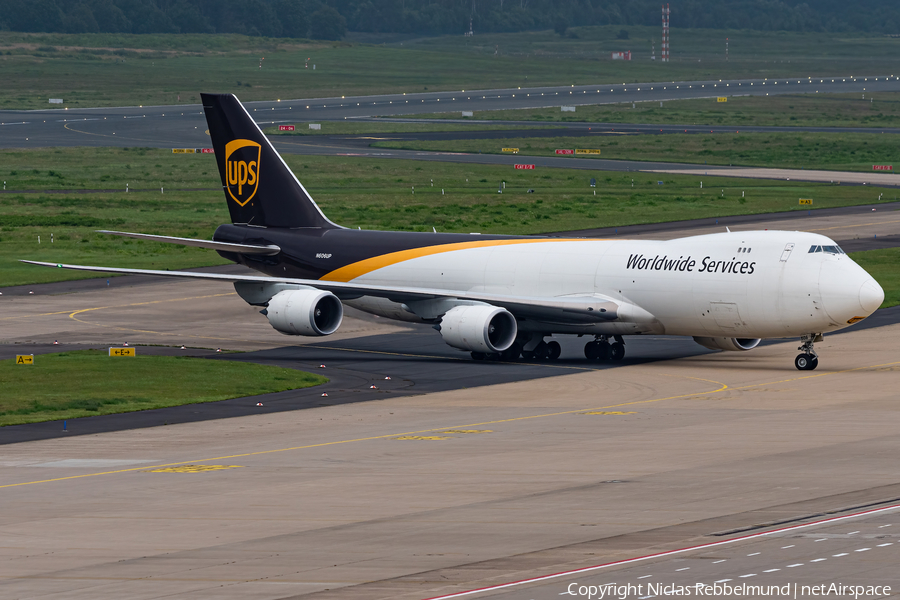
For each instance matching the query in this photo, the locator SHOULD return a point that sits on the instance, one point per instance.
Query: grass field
(114, 70)
(800, 150)
(800, 110)
(356, 192)
(86, 383)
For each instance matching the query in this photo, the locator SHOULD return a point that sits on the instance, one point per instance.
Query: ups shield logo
(242, 169)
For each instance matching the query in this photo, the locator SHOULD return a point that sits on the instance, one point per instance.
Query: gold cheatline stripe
(357, 269)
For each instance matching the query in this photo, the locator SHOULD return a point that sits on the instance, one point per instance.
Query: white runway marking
(862, 549)
(786, 547)
(771, 570)
(636, 559)
(841, 554)
(795, 565)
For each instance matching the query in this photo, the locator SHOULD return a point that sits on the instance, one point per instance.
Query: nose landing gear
(809, 360)
(601, 349)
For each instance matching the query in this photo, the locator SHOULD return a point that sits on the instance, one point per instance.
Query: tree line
(331, 19)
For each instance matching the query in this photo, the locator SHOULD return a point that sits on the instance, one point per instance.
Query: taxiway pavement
(420, 496)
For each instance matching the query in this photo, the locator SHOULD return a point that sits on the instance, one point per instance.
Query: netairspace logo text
(622, 592)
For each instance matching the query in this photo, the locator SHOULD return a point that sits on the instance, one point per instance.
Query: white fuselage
(756, 284)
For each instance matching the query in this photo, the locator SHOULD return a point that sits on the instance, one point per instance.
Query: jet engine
(723, 343)
(478, 328)
(305, 312)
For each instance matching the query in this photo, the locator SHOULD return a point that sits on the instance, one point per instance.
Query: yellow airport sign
(513, 150)
(587, 151)
(721, 99)
(806, 201)
(182, 150)
(122, 352)
(24, 359)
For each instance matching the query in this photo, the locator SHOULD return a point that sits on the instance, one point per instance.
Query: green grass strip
(884, 266)
(68, 385)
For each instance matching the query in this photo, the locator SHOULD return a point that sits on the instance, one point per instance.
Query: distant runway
(185, 125)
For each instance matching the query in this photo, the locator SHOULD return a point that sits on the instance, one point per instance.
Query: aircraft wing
(268, 250)
(583, 309)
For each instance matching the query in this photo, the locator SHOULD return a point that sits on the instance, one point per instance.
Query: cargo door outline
(786, 254)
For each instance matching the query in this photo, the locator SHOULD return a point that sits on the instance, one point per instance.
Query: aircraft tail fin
(259, 187)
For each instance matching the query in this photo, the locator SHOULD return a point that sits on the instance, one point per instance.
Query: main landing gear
(809, 360)
(601, 349)
(529, 349)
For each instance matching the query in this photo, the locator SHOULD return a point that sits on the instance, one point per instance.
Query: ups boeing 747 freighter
(502, 296)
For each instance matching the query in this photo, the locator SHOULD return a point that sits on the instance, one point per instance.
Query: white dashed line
(852, 532)
(818, 559)
(883, 526)
(841, 554)
(715, 562)
(754, 554)
(645, 597)
(645, 576)
(686, 568)
(786, 547)
(821, 539)
(748, 575)
(862, 549)
(722, 580)
(795, 565)
(888, 544)
(771, 570)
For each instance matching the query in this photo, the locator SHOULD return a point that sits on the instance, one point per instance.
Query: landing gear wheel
(528, 355)
(540, 351)
(553, 350)
(603, 351)
(511, 353)
(597, 350)
(806, 362)
(617, 351)
(478, 356)
(809, 360)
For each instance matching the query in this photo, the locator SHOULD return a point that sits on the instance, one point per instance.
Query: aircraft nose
(870, 296)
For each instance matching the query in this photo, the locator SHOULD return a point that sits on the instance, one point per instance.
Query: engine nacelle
(305, 312)
(723, 343)
(479, 328)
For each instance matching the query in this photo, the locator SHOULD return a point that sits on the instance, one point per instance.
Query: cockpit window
(826, 249)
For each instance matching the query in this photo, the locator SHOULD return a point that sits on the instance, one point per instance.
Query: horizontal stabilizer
(269, 250)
